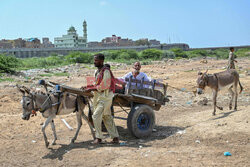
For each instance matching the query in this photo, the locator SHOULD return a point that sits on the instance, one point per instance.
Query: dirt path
(186, 133)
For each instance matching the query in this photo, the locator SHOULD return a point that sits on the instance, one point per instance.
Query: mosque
(72, 40)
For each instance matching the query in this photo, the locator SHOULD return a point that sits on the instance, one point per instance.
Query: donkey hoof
(213, 113)
(47, 144)
(230, 107)
(53, 143)
(221, 108)
(72, 141)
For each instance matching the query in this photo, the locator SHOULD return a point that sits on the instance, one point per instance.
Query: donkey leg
(232, 97)
(82, 106)
(236, 97)
(214, 100)
(90, 125)
(54, 132)
(48, 120)
(79, 124)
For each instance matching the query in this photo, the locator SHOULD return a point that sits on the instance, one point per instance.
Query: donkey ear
(20, 89)
(199, 73)
(27, 90)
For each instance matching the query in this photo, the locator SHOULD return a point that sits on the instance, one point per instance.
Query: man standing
(231, 59)
(102, 100)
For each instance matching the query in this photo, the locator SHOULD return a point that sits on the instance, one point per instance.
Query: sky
(199, 23)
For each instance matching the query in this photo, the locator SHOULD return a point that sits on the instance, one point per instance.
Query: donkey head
(201, 82)
(27, 102)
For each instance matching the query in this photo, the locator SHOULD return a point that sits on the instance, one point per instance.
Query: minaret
(85, 31)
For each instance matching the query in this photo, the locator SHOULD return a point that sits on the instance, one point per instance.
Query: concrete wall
(43, 52)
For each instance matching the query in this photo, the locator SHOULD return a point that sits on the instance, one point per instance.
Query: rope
(185, 91)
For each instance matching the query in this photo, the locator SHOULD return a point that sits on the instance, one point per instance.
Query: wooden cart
(141, 101)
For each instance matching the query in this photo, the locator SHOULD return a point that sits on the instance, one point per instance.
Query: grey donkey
(217, 81)
(49, 107)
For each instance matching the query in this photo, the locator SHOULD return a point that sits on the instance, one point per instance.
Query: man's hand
(83, 87)
(87, 90)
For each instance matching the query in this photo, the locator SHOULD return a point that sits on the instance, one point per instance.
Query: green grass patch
(7, 80)
(61, 74)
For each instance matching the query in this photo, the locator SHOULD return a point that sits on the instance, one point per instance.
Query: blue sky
(199, 23)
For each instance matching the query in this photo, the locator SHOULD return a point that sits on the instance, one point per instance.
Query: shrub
(179, 52)
(79, 57)
(153, 54)
(167, 54)
(219, 53)
(243, 52)
(8, 63)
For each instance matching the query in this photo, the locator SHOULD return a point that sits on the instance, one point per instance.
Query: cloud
(103, 3)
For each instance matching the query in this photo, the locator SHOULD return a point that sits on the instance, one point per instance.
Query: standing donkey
(216, 81)
(49, 106)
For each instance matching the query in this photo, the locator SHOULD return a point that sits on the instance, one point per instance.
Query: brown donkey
(217, 81)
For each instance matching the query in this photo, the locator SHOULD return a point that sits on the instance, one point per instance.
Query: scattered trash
(67, 151)
(33, 141)
(227, 141)
(154, 130)
(189, 102)
(197, 141)
(227, 154)
(181, 132)
(140, 146)
(123, 144)
(70, 128)
(183, 89)
(203, 101)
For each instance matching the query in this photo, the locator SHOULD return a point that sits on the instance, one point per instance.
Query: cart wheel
(141, 121)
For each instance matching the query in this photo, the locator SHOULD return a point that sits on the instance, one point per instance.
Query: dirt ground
(186, 134)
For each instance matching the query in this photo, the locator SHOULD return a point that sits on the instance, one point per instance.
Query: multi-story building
(46, 43)
(116, 41)
(19, 43)
(6, 44)
(72, 40)
(154, 42)
(32, 43)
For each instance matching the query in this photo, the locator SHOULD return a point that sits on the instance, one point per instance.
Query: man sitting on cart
(103, 94)
(136, 74)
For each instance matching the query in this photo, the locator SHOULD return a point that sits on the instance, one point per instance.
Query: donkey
(216, 81)
(49, 106)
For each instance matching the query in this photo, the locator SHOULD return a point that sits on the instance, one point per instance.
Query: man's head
(231, 49)
(137, 66)
(98, 60)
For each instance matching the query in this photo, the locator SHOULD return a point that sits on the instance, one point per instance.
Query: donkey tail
(241, 87)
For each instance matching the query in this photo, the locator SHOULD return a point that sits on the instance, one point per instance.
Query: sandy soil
(186, 133)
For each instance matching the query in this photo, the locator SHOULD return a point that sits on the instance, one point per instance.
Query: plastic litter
(183, 89)
(181, 132)
(197, 141)
(227, 154)
(33, 141)
(123, 144)
(189, 102)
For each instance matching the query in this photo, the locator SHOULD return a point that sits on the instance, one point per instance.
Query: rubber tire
(132, 120)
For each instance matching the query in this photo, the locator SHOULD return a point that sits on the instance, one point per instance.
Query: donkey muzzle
(199, 91)
(26, 117)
